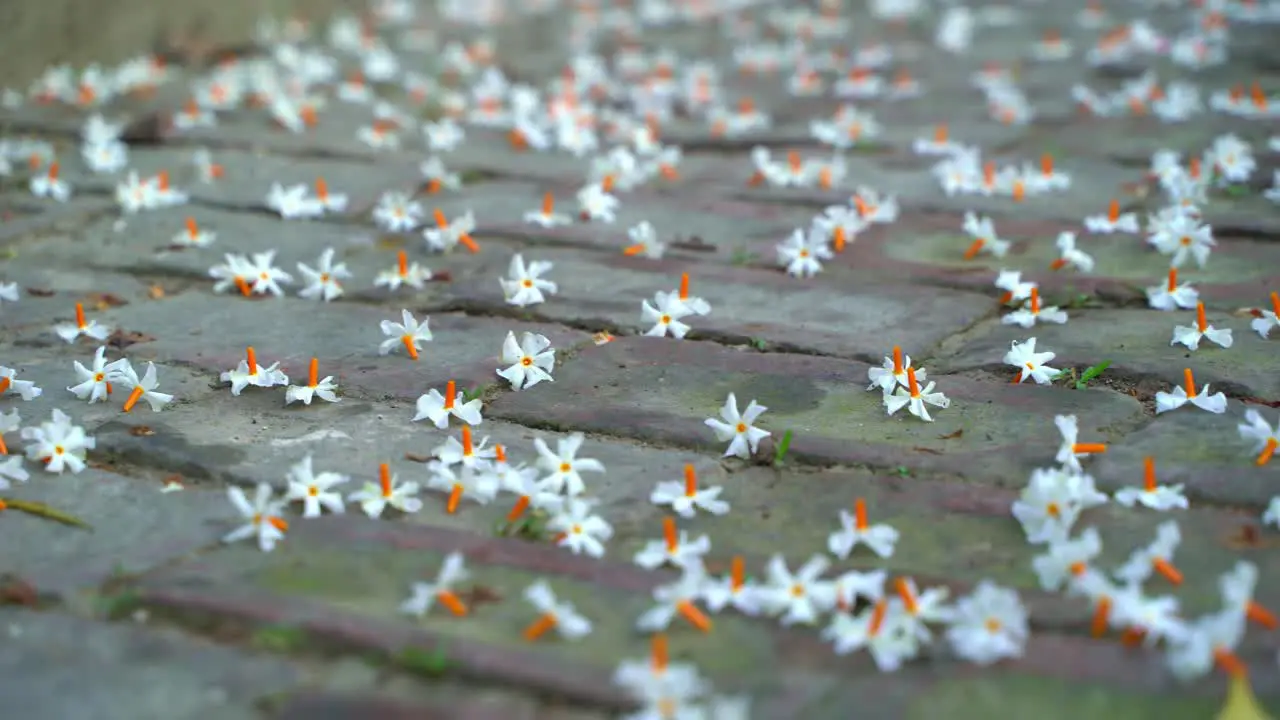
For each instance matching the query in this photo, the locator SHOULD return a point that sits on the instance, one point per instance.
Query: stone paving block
(135, 527)
(820, 315)
(1205, 453)
(190, 328)
(661, 389)
(1137, 344)
(58, 666)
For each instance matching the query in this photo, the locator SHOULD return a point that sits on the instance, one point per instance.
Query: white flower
(314, 490)
(1156, 557)
(677, 598)
(1272, 514)
(893, 373)
(374, 498)
(142, 388)
(1267, 319)
(1070, 256)
(95, 384)
(563, 466)
(262, 515)
(1210, 639)
(921, 608)
(739, 428)
(801, 253)
(1114, 221)
(686, 498)
(1152, 495)
(397, 212)
(438, 176)
(882, 633)
(48, 185)
(267, 277)
(530, 361)
(546, 216)
(581, 530)
(323, 281)
(9, 383)
(1052, 501)
(854, 530)
(914, 398)
(1070, 451)
(1031, 313)
(1066, 558)
(988, 625)
(290, 203)
(675, 549)
(470, 481)
(1261, 434)
(1016, 290)
(249, 372)
(1191, 335)
(1216, 403)
(408, 332)
(1181, 236)
(194, 236)
(1171, 296)
(446, 235)
(437, 408)
(984, 237)
(58, 443)
(88, 328)
(315, 387)
(11, 469)
(567, 621)
(596, 203)
(524, 285)
(666, 316)
(404, 273)
(798, 597)
(644, 241)
(423, 596)
(733, 590)
(1030, 363)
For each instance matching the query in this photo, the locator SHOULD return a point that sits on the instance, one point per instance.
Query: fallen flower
(374, 498)
(142, 389)
(1191, 335)
(1030, 363)
(854, 530)
(552, 613)
(262, 516)
(437, 408)
(739, 429)
(530, 361)
(425, 595)
(314, 490)
(88, 328)
(914, 398)
(408, 332)
(249, 372)
(686, 498)
(1181, 395)
(315, 387)
(1152, 495)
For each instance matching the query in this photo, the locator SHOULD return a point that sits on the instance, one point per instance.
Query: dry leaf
(952, 435)
(141, 430)
(121, 339)
(930, 451)
(417, 458)
(155, 292)
(39, 292)
(105, 301)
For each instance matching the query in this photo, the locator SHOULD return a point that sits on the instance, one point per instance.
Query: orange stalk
(1088, 448)
(658, 652)
(402, 263)
(1149, 479)
(1268, 451)
(690, 481)
(455, 496)
(469, 243)
(974, 249)
(467, 450)
(278, 523)
(1201, 324)
(1173, 280)
(133, 398)
(1113, 212)
(684, 286)
(80, 315)
(243, 284)
(1260, 615)
(1167, 570)
(694, 616)
(1189, 382)
(1100, 615)
(632, 250)
(912, 385)
(908, 596)
(450, 393)
(897, 360)
(669, 533)
(313, 373)
(860, 514)
(548, 203)
(251, 359)
(540, 627)
(384, 479)
(409, 347)
(737, 572)
(518, 509)
(451, 601)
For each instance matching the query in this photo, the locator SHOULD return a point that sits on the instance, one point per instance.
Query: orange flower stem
(1268, 451)
(518, 509)
(469, 243)
(313, 373)
(974, 249)
(80, 315)
(384, 479)
(1149, 474)
(451, 601)
(539, 627)
(669, 533)
(694, 616)
(1167, 570)
(1189, 382)
(409, 347)
(860, 514)
(134, 397)
(1261, 615)
(455, 496)
(1100, 615)
(684, 286)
